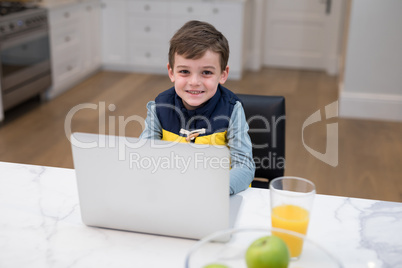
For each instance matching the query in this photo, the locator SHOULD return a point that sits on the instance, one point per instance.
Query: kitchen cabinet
(133, 35)
(148, 35)
(114, 34)
(136, 33)
(92, 57)
(75, 44)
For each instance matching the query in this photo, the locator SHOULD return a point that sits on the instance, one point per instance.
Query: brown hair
(194, 38)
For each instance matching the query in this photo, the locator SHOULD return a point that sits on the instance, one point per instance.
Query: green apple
(268, 252)
(216, 265)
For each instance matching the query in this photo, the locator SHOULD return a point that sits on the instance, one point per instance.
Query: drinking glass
(291, 203)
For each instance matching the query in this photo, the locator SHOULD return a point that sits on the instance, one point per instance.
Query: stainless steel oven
(25, 69)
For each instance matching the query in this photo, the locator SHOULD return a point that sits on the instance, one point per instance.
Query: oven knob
(2, 29)
(12, 26)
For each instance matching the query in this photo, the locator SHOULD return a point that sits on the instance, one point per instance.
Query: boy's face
(196, 81)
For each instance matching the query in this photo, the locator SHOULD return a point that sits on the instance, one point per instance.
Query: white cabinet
(65, 35)
(114, 34)
(133, 35)
(92, 57)
(148, 37)
(75, 44)
(136, 33)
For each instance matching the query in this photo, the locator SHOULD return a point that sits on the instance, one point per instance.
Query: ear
(224, 75)
(170, 72)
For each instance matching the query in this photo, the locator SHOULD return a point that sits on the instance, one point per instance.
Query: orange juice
(293, 218)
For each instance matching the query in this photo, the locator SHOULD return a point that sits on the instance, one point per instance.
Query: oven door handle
(23, 38)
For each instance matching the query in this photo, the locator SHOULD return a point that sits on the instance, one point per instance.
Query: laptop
(151, 186)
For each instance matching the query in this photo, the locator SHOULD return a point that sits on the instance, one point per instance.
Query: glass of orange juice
(291, 203)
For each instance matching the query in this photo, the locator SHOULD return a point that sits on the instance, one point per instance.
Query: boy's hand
(192, 137)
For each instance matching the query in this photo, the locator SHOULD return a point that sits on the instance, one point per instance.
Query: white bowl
(232, 252)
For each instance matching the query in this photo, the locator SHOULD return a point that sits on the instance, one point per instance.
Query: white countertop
(40, 226)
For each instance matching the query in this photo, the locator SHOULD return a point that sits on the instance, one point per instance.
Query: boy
(198, 108)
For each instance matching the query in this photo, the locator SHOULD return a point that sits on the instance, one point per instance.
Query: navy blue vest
(213, 116)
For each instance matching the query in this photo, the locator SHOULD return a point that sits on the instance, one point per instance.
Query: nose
(195, 80)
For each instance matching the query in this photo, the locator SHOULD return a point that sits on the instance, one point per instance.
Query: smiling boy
(198, 108)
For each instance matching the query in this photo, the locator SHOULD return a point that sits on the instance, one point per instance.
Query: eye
(184, 72)
(207, 73)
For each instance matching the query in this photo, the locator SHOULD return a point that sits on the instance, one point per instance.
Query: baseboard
(370, 106)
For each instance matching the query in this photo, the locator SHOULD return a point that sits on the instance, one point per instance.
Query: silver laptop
(154, 187)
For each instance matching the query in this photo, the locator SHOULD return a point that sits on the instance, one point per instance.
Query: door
(303, 34)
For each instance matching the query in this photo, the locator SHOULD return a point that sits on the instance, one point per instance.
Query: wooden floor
(370, 164)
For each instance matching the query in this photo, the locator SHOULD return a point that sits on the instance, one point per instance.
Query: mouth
(195, 92)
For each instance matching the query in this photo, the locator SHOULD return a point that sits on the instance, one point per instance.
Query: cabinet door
(91, 35)
(147, 36)
(114, 32)
(63, 37)
(67, 69)
(66, 42)
(64, 16)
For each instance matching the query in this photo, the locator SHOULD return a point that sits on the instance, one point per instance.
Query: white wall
(372, 86)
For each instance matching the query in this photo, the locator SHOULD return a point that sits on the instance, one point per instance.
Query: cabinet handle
(69, 68)
(147, 7)
(148, 55)
(190, 9)
(215, 10)
(89, 8)
(67, 15)
(147, 29)
(67, 39)
(328, 5)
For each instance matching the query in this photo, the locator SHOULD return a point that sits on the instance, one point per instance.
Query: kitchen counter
(40, 226)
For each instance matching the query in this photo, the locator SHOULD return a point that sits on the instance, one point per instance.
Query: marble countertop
(40, 226)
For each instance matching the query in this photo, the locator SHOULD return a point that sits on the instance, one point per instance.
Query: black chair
(266, 118)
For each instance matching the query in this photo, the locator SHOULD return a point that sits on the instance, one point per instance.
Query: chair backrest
(266, 118)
